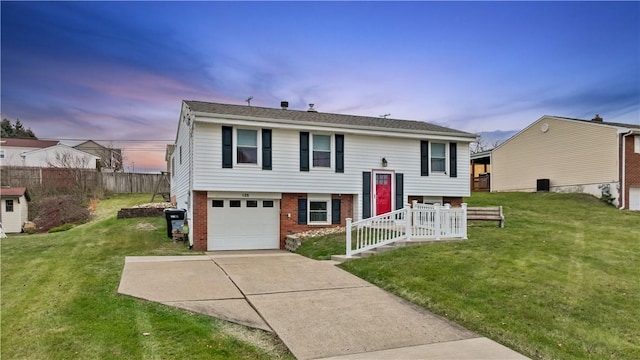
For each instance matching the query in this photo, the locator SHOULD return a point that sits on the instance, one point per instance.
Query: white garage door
(243, 224)
(634, 198)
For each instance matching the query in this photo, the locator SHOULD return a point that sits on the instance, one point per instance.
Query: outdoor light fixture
(384, 162)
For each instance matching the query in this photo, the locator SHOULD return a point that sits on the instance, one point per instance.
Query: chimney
(284, 105)
(597, 118)
(311, 109)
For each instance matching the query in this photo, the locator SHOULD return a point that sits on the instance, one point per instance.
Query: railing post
(408, 218)
(464, 221)
(348, 252)
(437, 221)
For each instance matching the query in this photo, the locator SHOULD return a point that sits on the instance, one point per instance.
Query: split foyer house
(14, 208)
(572, 155)
(248, 176)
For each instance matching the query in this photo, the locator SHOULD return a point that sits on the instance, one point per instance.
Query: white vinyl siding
(568, 153)
(180, 183)
(362, 153)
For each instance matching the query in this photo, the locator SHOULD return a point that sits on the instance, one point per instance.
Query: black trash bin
(175, 220)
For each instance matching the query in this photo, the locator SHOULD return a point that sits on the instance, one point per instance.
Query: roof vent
(311, 109)
(597, 118)
(284, 105)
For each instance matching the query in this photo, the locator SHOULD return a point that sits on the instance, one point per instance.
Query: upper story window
(247, 148)
(321, 150)
(637, 144)
(1, 153)
(8, 205)
(438, 157)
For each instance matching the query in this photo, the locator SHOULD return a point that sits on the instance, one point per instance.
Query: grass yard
(560, 281)
(59, 298)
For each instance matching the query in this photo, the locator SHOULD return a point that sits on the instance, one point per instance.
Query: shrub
(57, 210)
(63, 227)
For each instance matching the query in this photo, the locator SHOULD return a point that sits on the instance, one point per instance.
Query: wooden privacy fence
(64, 180)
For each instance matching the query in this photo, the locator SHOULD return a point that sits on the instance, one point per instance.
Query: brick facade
(289, 214)
(199, 221)
(631, 166)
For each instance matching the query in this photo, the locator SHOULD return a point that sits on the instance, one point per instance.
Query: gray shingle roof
(352, 121)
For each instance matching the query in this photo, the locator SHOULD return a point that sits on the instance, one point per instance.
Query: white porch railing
(420, 222)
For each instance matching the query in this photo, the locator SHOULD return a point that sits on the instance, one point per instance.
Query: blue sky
(119, 70)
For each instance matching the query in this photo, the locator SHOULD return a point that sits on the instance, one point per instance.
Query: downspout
(623, 170)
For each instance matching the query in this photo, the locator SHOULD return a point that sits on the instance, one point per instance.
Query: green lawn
(59, 298)
(560, 281)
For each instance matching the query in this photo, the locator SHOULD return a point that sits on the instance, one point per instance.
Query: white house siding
(361, 153)
(573, 155)
(181, 173)
(47, 157)
(12, 155)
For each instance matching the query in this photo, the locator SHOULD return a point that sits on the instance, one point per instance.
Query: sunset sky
(117, 72)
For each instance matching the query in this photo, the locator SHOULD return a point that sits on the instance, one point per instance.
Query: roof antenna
(249, 100)
(385, 116)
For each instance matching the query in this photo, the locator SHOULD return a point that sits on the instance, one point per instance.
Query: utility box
(175, 220)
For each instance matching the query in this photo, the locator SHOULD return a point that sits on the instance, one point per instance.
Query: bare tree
(481, 145)
(75, 168)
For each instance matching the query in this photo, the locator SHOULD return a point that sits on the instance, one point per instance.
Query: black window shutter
(339, 153)
(304, 152)
(424, 158)
(399, 191)
(453, 159)
(302, 211)
(335, 211)
(227, 147)
(266, 149)
(366, 194)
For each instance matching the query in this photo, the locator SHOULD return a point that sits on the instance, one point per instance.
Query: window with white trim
(247, 146)
(438, 157)
(319, 210)
(321, 154)
(1, 153)
(636, 146)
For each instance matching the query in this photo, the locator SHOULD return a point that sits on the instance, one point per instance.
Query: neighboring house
(11, 149)
(248, 176)
(110, 158)
(481, 171)
(572, 155)
(14, 208)
(59, 156)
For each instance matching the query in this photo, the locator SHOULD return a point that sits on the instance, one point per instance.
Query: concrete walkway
(316, 309)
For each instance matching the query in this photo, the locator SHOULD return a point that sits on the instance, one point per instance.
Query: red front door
(383, 193)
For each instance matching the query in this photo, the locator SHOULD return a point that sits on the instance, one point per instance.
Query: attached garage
(634, 198)
(243, 223)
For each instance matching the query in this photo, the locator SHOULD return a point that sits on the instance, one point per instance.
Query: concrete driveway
(315, 308)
